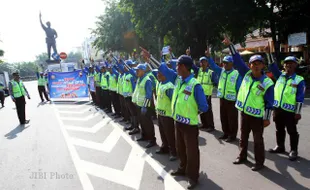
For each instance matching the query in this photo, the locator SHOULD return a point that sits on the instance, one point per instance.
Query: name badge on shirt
(260, 87)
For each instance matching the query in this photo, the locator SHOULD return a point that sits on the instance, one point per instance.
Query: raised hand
(226, 41)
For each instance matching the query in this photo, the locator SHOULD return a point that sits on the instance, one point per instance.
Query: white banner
(297, 39)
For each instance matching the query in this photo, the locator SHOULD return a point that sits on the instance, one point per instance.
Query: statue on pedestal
(50, 39)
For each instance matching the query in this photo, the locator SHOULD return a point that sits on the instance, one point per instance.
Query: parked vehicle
(4, 78)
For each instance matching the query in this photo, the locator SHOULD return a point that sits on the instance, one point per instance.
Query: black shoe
(108, 111)
(141, 139)
(210, 129)
(172, 158)
(191, 184)
(257, 167)
(124, 120)
(223, 137)
(240, 161)
(134, 131)
(162, 151)
(293, 155)
(129, 128)
(114, 114)
(150, 144)
(230, 139)
(277, 149)
(117, 116)
(27, 121)
(178, 172)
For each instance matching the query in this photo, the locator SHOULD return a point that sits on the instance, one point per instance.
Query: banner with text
(68, 84)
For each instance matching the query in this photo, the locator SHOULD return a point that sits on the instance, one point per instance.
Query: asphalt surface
(72, 145)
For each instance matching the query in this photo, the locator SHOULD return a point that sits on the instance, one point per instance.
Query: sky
(21, 35)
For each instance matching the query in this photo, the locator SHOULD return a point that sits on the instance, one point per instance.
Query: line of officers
(180, 97)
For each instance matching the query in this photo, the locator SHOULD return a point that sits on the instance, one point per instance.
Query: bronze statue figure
(50, 39)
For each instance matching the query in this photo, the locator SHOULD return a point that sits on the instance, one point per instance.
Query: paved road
(71, 145)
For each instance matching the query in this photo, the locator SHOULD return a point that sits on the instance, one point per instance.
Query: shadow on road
(13, 134)
(282, 177)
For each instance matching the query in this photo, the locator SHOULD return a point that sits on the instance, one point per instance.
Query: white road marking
(93, 129)
(72, 106)
(171, 183)
(75, 111)
(106, 146)
(81, 118)
(133, 171)
(85, 181)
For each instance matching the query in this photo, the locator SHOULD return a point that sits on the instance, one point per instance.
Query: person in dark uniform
(207, 78)
(188, 101)
(228, 87)
(42, 85)
(142, 97)
(113, 88)
(2, 95)
(255, 102)
(164, 89)
(18, 92)
(90, 74)
(105, 99)
(289, 97)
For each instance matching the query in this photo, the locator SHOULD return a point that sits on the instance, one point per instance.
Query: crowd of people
(177, 93)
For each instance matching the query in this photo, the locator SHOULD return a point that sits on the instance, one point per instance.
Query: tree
(198, 24)
(114, 30)
(1, 54)
(281, 17)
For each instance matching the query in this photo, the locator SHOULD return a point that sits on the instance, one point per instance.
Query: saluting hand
(266, 123)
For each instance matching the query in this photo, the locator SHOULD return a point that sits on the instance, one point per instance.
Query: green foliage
(114, 29)
(198, 24)
(26, 69)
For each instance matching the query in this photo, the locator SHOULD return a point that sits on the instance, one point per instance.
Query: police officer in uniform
(113, 89)
(18, 92)
(42, 83)
(228, 87)
(120, 86)
(128, 89)
(289, 97)
(207, 78)
(188, 101)
(164, 89)
(91, 73)
(97, 79)
(2, 96)
(255, 102)
(104, 84)
(142, 97)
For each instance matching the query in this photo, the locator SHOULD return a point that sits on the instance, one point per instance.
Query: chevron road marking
(72, 106)
(93, 129)
(85, 181)
(171, 183)
(81, 118)
(76, 111)
(106, 146)
(132, 174)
